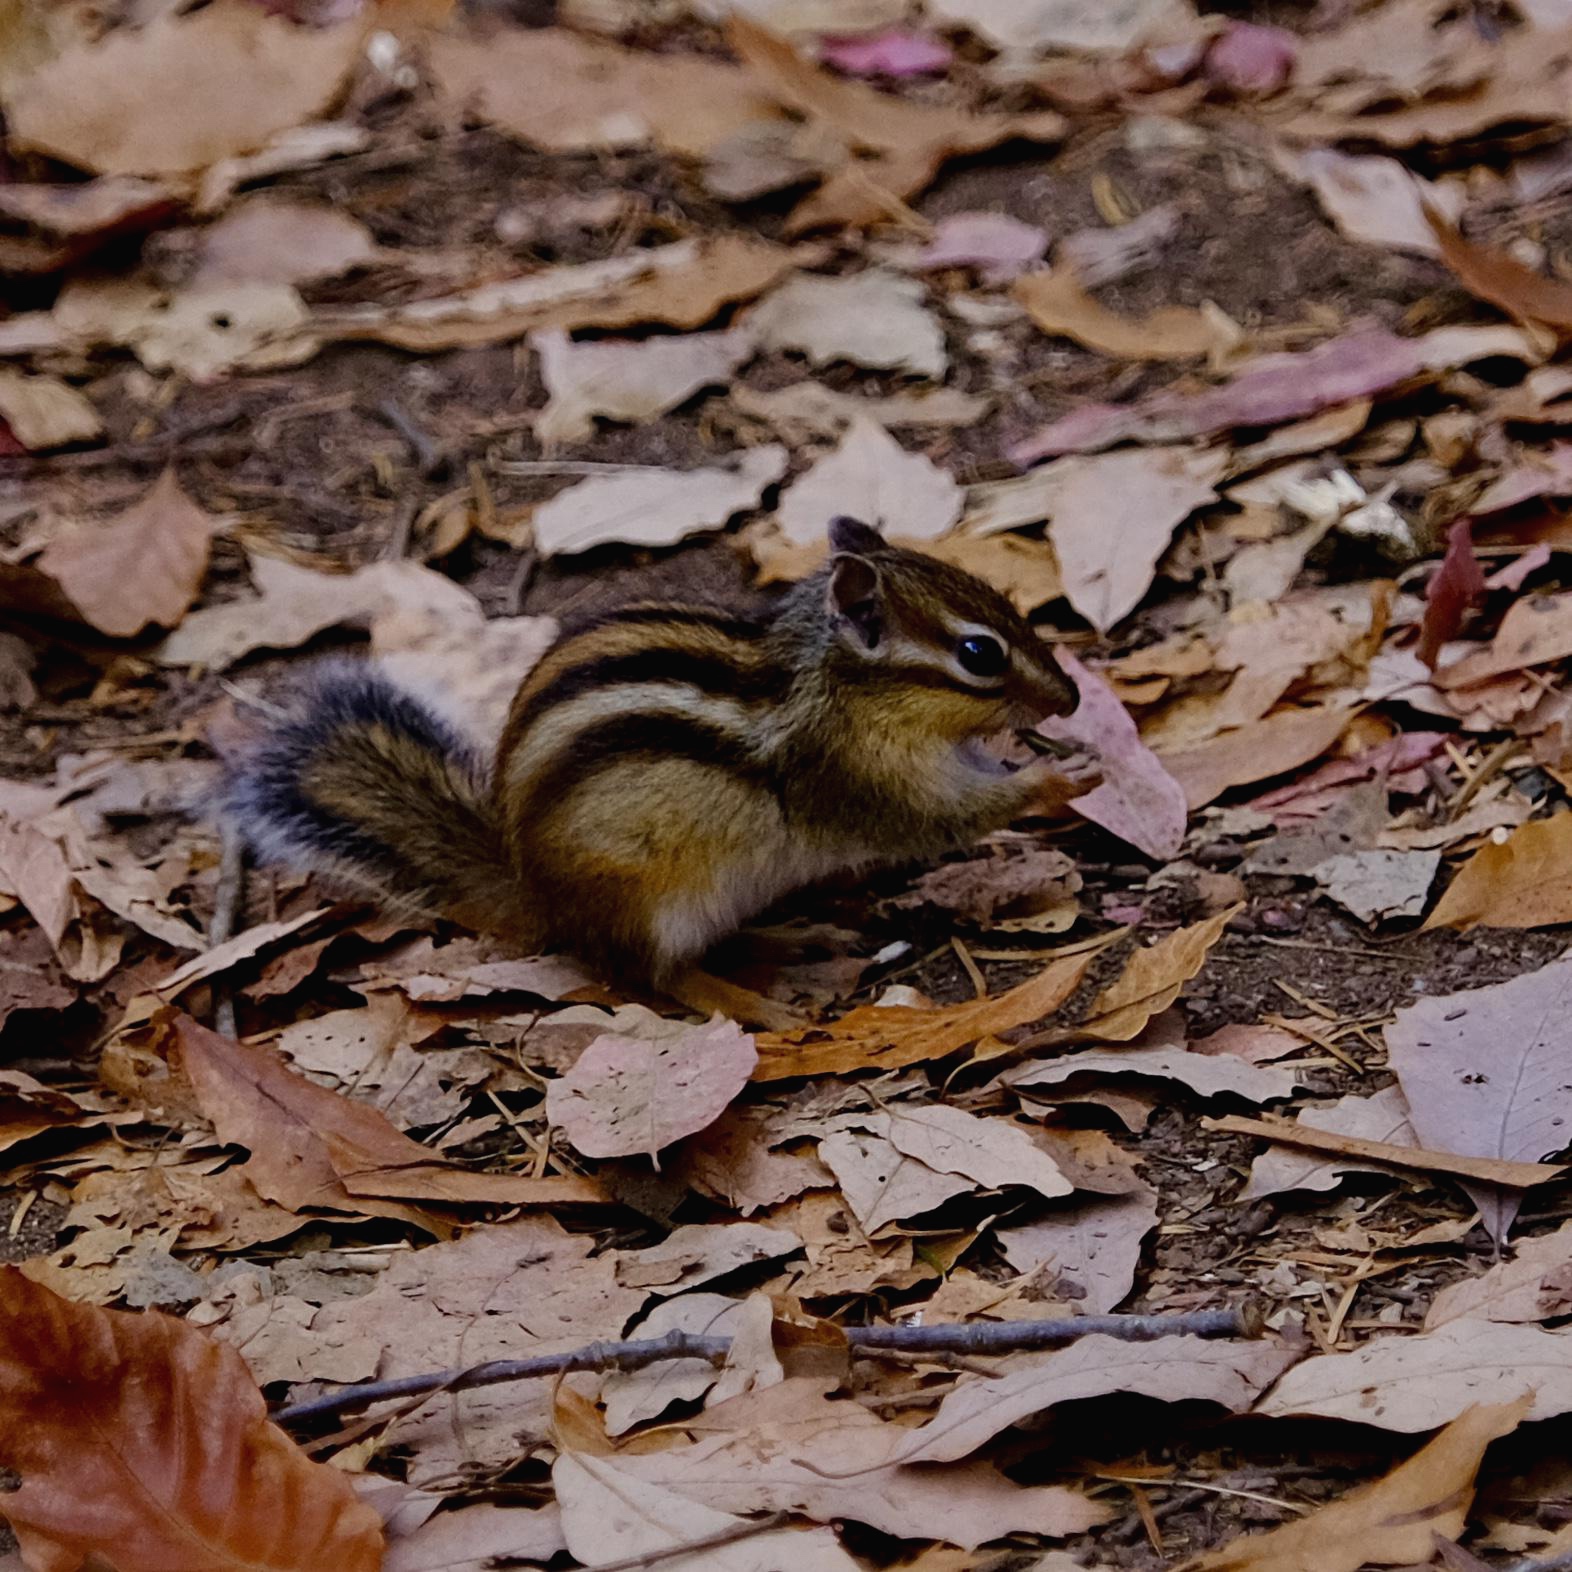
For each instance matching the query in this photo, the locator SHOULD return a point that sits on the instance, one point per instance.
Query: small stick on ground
(429, 456)
(966, 1338)
(226, 907)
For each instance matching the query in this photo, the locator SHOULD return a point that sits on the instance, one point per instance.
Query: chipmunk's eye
(982, 655)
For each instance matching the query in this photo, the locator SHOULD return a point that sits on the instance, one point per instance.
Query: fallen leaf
(181, 91)
(143, 566)
(557, 89)
(44, 412)
(793, 1449)
(275, 241)
(1373, 199)
(1524, 881)
(1488, 1170)
(897, 52)
(871, 477)
(242, 947)
(475, 1538)
(1516, 1111)
(1006, 879)
(998, 246)
(1087, 1253)
(1208, 1075)
(1103, 256)
(1138, 800)
(608, 1515)
(633, 1397)
(1379, 883)
(1381, 1118)
(1057, 301)
(1081, 26)
(881, 1184)
(682, 285)
(631, 1094)
(809, 409)
(875, 318)
(296, 603)
(1396, 1519)
(1172, 1369)
(1454, 587)
(1500, 278)
(1416, 1383)
(313, 1148)
(891, 1036)
(700, 1252)
(1535, 630)
(1266, 391)
(732, 1161)
(655, 507)
(189, 1475)
(628, 381)
(1272, 746)
(1532, 1286)
(1150, 982)
(1251, 59)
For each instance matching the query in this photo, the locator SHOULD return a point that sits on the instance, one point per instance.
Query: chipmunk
(670, 770)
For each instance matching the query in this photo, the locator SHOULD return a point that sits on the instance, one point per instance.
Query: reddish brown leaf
(1455, 586)
(1524, 881)
(1501, 279)
(142, 1441)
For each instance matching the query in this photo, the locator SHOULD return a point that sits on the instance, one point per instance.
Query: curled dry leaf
(1207, 1074)
(881, 1184)
(655, 507)
(998, 246)
(1376, 200)
(182, 91)
(1536, 629)
(1524, 881)
(144, 566)
(630, 381)
(891, 1036)
(1501, 279)
(875, 318)
(1454, 587)
(1138, 800)
(1381, 1117)
(632, 1397)
(1394, 1520)
(1272, 746)
(1057, 301)
(700, 1252)
(1089, 1252)
(634, 1094)
(871, 477)
(1533, 1286)
(188, 1475)
(1520, 1109)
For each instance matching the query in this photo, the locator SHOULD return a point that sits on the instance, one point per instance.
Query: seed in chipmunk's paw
(1051, 746)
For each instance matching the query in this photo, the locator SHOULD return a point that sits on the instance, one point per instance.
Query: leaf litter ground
(362, 452)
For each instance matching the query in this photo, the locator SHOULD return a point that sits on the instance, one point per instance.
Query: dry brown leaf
(628, 381)
(1486, 1170)
(680, 285)
(560, 90)
(1520, 1109)
(871, 477)
(791, 1448)
(44, 412)
(1281, 742)
(242, 947)
(881, 1184)
(1533, 1286)
(181, 91)
(890, 1036)
(1414, 1383)
(1150, 982)
(699, 1252)
(1394, 1520)
(1524, 881)
(188, 1475)
(296, 603)
(634, 1094)
(632, 1397)
(144, 566)
(875, 318)
(475, 1538)
(1381, 1117)
(1088, 1252)
(1372, 199)
(1078, 26)
(312, 1148)
(277, 241)
(1536, 629)
(1207, 1074)
(1500, 278)
(1058, 303)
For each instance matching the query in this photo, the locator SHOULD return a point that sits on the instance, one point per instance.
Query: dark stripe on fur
(750, 681)
(726, 622)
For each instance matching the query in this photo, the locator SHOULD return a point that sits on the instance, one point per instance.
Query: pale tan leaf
(1090, 26)
(994, 1153)
(871, 477)
(876, 319)
(1524, 881)
(1533, 1285)
(880, 1183)
(1280, 742)
(631, 1397)
(698, 1252)
(1381, 1117)
(1209, 1075)
(1056, 301)
(271, 240)
(44, 412)
(1088, 1251)
(474, 1538)
(1150, 981)
(181, 92)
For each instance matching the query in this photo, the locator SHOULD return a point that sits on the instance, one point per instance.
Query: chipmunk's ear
(853, 594)
(852, 535)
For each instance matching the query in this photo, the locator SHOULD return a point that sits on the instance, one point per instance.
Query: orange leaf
(1501, 279)
(142, 1441)
(886, 1037)
(1525, 882)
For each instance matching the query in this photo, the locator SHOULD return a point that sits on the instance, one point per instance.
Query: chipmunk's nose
(1048, 690)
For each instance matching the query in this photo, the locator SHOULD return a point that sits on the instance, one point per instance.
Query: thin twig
(523, 578)
(973, 1338)
(226, 907)
(725, 1536)
(429, 456)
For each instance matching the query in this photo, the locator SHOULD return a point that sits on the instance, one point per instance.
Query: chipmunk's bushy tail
(360, 780)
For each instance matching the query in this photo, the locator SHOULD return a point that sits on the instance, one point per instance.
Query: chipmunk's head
(973, 670)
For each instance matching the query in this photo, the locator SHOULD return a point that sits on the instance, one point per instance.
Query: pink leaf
(998, 246)
(1139, 801)
(1267, 392)
(1511, 576)
(896, 52)
(1317, 791)
(1455, 586)
(1252, 59)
